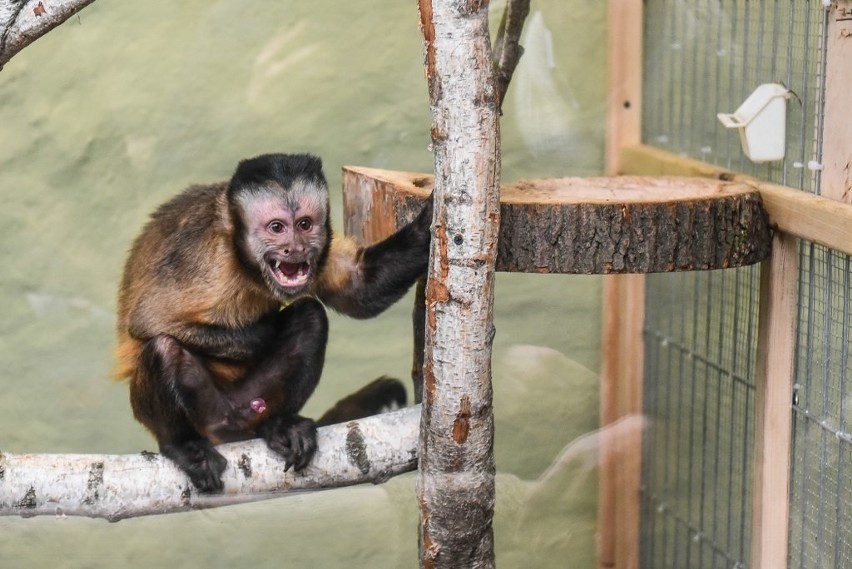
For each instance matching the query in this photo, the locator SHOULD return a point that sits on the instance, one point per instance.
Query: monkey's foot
(200, 461)
(291, 436)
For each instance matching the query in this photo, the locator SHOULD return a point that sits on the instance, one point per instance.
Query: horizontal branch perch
(116, 487)
(597, 225)
(24, 21)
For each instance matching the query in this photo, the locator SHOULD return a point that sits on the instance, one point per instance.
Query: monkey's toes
(293, 437)
(201, 462)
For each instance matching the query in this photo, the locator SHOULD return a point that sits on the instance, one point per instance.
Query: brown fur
(226, 296)
(149, 299)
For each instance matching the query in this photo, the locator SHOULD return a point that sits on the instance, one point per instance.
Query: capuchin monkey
(210, 353)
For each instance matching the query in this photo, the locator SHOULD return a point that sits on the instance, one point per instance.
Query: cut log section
(600, 225)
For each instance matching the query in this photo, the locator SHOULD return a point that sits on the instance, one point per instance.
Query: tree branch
(116, 487)
(24, 21)
(507, 47)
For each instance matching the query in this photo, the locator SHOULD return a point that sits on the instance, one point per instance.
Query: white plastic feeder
(761, 120)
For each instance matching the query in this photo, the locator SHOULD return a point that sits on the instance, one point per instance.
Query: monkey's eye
(305, 224)
(275, 226)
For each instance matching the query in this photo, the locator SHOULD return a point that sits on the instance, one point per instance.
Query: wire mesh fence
(821, 495)
(700, 337)
(703, 57)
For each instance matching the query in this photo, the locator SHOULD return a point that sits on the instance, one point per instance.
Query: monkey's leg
(285, 378)
(162, 402)
(418, 320)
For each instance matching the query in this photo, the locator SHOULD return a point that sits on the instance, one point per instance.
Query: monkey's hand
(200, 461)
(292, 436)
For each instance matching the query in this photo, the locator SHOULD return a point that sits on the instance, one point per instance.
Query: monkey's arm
(222, 342)
(213, 340)
(363, 282)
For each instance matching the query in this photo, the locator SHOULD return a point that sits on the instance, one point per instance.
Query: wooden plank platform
(599, 225)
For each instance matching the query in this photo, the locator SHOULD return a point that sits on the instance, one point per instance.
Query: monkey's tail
(378, 395)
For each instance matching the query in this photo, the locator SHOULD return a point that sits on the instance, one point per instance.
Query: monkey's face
(285, 235)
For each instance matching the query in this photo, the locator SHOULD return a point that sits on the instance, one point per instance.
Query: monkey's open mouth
(289, 275)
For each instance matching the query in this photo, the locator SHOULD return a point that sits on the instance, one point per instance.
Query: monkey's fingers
(307, 442)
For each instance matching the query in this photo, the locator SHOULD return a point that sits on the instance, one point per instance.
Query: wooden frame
(796, 215)
(776, 345)
(623, 309)
(836, 182)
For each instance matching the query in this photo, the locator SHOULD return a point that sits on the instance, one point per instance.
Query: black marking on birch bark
(28, 502)
(149, 456)
(356, 448)
(245, 465)
(96, 480)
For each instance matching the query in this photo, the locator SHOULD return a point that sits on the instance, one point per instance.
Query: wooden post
(773, 413)
(623, 306)
(455, 482)
(836, 176)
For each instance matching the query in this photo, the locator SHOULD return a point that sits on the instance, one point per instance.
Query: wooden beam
(813, 218)
(623, 305)
(621, 459)
(773, 399)
(624, 79)
(836, 175)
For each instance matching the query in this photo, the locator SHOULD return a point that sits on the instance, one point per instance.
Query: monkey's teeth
(275, 264)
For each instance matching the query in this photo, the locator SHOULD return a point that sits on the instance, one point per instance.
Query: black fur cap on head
(284, 169)
(281, 168)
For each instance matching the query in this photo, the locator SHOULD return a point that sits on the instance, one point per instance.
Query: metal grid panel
(700, 334)
(821, 499)
(704, 57)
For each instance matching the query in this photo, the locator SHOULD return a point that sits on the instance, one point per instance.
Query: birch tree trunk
(455, 485)
(116, 487)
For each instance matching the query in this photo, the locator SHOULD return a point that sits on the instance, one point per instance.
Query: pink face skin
(286, 234)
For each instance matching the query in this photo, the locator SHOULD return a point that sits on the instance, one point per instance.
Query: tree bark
(604, 225)
(455, 484)
(24, 21)
(116, 487)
